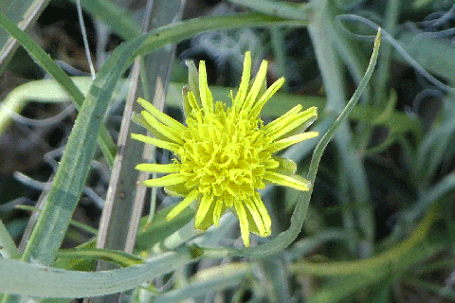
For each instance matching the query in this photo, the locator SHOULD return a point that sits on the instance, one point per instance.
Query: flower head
(224, 155)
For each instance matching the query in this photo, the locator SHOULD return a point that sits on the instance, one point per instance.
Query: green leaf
(160, 228)
(285, 238)
(70, 177)
(114, 16)
(213, 279)
(279, 9)
(41, 281)
(115, 256)
(45, 61)
(23, 13)
(7, 247)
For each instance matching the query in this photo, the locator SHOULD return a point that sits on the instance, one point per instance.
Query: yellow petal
(283, 118)
(208, 220)
(244, 227)
(159, 143)
(300, 121)
(171, 179)
(283, 143)
(257, 218)
(288, 181)
(177, 190)
(219, 210)
(202, 210)
(182, 205)
(266, 96)
(139, 119)
(206, 94)
(169, 121)
(158, 168)
(172, 134)
(244, 83)
(263, 212)
(256, 87)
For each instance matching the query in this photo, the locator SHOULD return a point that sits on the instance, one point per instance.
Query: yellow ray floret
(224, 155)
(159, 168)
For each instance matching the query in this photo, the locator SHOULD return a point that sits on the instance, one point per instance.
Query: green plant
(356, 264)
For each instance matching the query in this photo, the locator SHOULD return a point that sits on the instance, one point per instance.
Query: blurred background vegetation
(380, 226)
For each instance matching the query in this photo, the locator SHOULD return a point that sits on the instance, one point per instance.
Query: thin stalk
(380, 93)
(332, 75)
(285, 238)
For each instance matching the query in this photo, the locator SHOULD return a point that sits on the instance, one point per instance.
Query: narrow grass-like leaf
(115, 256)
(302, 12)
(7, 247)
(45, 61)
(24, 13)
(88, 229)
(212, 279)
(41, 281)
(70, 177)
(351, 284)
(396, 121)
(160, 228)
(114, 16)
(47, 90)
(285, 238)
(157, 231)
(443, 291)
(344, 268)
(181, 30)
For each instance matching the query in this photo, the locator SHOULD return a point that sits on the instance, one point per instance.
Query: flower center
(224, 153)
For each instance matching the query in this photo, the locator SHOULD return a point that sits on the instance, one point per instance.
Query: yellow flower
(225, 154)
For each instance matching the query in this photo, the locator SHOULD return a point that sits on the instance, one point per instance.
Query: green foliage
(388, 149)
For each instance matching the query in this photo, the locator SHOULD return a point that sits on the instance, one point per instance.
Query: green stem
(383, 75)
(115, 256)
(381, 80)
